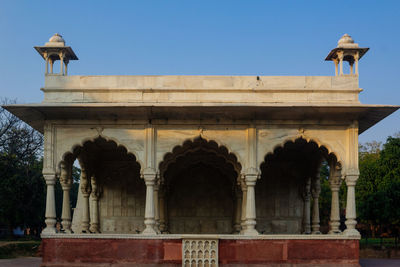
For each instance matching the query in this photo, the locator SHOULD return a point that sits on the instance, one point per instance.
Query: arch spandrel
(234, 140)
(68, 139)
(332, 140)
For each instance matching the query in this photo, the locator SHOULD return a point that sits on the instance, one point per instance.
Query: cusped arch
(71, 154)
(323, 147)
(196, 144)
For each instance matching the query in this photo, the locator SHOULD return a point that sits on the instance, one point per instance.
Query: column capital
(250, 176)
(351, 177)
(149, 175)
(50, 178)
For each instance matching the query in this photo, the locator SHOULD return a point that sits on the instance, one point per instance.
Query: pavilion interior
(200, 187)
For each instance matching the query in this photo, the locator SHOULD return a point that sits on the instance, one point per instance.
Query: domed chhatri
(56, 40)
(346, 50)
(347, 42)
(55, 49)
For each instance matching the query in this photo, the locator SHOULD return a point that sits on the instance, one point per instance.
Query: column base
(149, 231)
(49, 230)
(250, 232)
(351, 232)
(334, 232)
(316, 233)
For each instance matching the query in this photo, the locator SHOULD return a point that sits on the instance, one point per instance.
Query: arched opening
(199, 180)
(288, 194)
(111, 195)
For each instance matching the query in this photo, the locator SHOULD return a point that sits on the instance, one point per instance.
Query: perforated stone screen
(200, 252)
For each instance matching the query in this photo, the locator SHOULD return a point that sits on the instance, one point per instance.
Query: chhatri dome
(56, 40)
(346, 42)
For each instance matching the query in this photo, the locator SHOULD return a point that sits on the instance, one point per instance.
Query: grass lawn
(13, 249)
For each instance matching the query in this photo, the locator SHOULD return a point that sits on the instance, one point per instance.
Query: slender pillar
(351, 67)
(244, 201)
(66, 68)
(61, 63)
(66, 184)
(47, 65)
(238, 212)
(356, 56)
(162, 226)
(94, 199)
(316, 190)
(85, 188)
(51, 66)
(250, 223)
(336, 66)
(306, 209)
(50, 204)
(149, 176)
(156, 207)
(351, 222)
(335, 182)
(340, 56)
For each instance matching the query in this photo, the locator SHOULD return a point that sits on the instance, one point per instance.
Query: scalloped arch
(191, 145)
(82, 142)
(308, 139)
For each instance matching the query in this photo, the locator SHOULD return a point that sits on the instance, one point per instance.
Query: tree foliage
(378, 188)
(22, 197)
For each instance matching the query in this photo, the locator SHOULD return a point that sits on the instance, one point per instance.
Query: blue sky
(204, 38)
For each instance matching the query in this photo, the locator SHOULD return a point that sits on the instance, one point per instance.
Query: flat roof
(36, 114)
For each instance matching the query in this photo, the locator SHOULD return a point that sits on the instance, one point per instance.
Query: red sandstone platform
(120, 252)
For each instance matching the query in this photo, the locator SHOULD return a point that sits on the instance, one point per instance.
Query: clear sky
(204, 38)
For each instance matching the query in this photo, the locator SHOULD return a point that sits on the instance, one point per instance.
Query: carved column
(335, 182)
(250, 223)
(85, 188)
(149, 176)
(351, 179)
(306, 209)
(156, 206)
(94, 199)
(50, 204)
(238, 212)
(244, 201)
(66, 184)
(316, 190)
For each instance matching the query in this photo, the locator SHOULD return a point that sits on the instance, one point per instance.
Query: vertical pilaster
(306, 209)
(66, 184)
(335, 182)
(50, 204)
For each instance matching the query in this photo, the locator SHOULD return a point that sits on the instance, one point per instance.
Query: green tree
(21, 183)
